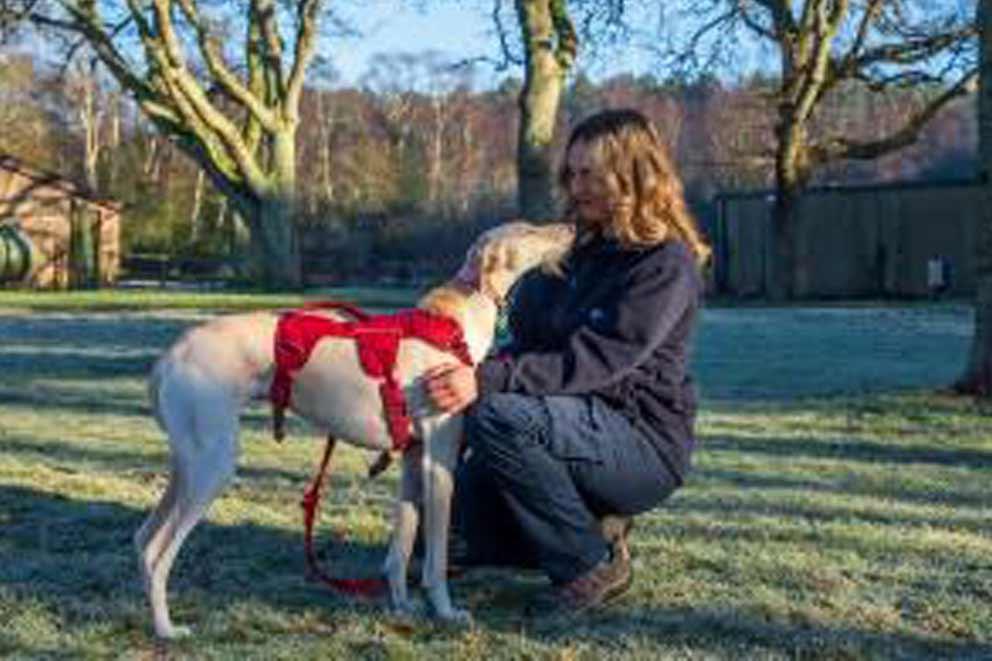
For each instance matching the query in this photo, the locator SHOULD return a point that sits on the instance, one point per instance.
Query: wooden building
(43, 205)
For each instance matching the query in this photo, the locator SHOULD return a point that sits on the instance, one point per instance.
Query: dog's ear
(495, 260)
(471, 270)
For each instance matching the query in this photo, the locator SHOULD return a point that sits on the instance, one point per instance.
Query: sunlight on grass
(824, 518)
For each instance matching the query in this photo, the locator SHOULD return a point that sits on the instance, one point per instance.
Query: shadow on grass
(748, 480)
(77, 557)
(146, 465)
(742, 528)
(848, 449)
(76, 365)
(733, 634)
(86, 332)
(48, 398)
(256, 417)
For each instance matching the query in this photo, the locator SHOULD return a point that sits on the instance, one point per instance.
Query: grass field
(840, 507)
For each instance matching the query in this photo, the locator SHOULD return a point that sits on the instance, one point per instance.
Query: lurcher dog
(200, 385)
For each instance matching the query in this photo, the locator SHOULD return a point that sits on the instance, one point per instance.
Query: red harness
(378, 338)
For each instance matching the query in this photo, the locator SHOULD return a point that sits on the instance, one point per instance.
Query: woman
(590, 411)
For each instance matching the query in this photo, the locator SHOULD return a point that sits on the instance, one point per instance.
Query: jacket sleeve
(652, 298)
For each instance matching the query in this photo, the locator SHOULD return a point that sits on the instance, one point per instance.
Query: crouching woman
(589, 413)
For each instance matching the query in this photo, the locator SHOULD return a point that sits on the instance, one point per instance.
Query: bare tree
(550, 45)
(977, 377)
(237, 117)
(821, 47)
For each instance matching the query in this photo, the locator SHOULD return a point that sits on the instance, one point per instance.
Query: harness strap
(377, 340)
(350, 308)
(362, 588)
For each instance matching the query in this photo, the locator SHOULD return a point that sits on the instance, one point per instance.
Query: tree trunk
(81, 249)
(325, 125)
(195, 213)
(781, 251)
(782, 267)
(434, 172)
(273, 251)
(90, 119)
(977, 377)
(274, 256)
(548, 53)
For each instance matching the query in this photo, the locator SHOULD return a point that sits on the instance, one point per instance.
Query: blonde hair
(648, 200)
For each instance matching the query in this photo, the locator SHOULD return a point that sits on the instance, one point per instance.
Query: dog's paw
(173, 632)
(457, 617)
(408, 609)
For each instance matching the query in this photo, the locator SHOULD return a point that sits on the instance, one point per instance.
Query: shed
(43, 204)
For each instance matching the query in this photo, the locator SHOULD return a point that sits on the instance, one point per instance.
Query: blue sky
(396, 26)
(459, 29)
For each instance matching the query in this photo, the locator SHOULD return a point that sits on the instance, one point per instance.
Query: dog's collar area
(468, 288)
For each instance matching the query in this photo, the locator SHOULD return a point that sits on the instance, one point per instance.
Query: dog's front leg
(405, 520)
(440, 455)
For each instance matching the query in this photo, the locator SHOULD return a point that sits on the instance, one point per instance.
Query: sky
(460, 29)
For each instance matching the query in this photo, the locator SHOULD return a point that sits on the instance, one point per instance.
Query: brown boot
(615, 529)
(607, 580)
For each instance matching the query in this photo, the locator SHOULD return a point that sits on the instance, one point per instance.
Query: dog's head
(501, 255)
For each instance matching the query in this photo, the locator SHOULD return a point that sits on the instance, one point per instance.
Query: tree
(977, 377)
(236, 117)
(824, 47)
(549, 45)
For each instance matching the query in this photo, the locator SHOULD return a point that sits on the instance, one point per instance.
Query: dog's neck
(475, 312)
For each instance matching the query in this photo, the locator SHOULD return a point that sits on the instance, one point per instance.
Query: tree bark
(550, 46)
(782, 268)
(273, 250)
(82, 270)
(271, 220)
(89, 117)
(977, 377)
(195, 213)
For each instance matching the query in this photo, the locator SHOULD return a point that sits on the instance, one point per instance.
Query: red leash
(363, 588)
(378, 339)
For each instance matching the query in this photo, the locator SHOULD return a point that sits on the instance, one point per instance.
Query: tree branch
(306, 38)
(188, 95)
(751, 23)
(504, 45)
(265, 12)
(568, 43)
(218, 69)
(837, 148)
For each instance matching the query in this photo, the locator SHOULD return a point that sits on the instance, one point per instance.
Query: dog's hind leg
(157, 532)
(405, 519)
(202, 424)
(197, 484)
(440, 456)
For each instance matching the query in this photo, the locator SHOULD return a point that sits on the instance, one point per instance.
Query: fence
(870, 241)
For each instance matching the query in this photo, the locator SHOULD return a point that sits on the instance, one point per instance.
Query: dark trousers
(540, 471)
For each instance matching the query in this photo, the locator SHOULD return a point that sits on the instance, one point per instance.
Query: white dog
(200, 385)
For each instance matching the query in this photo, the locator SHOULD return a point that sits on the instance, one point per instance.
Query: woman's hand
(451, 387)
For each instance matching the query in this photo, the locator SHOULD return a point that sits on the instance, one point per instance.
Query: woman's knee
(501, 419)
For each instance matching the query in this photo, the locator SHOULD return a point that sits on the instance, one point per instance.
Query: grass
(841, 507)
(107, 300)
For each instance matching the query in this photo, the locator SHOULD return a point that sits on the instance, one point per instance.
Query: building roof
(13, 164)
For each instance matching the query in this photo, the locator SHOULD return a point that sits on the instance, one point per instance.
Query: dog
(200, 385)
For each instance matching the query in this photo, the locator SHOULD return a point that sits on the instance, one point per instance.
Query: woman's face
(586, 186)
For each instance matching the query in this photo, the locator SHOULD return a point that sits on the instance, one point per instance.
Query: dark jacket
(618, 326)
